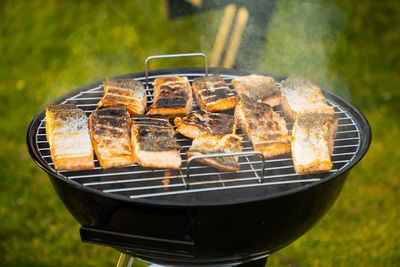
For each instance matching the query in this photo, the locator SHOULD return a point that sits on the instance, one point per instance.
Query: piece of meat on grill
(128, 92)
(301, 96)
(68, 135)
(215, 143)
(202, 122)
(312, 145)
(154, 144)
(110, 134)
(214, 94)
(172, 97)
(265, 128)
(260, 87)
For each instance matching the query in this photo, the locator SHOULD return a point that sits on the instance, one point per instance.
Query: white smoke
(301, 39)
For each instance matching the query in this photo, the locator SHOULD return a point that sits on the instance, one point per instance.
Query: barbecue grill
(198, 215)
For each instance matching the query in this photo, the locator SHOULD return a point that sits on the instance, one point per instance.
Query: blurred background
(48, 48)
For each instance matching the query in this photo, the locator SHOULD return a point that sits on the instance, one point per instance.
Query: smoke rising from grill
(301, 38)
(291, 38)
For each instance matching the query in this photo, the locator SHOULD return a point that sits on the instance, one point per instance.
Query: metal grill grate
(137, 182)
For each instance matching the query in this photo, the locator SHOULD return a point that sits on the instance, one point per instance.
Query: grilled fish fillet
(153, 143)
(68, 136)
(215, 143)
(312, 145)
(201, 122)
(260, 87)
(213, 93)
(265, 128)
(172, 97)
(110, 134)
(128, 92)
(301, 96)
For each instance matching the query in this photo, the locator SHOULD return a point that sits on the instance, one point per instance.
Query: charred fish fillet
(213, 94)
(172, 97)
(154, 144)
(128, 92)
(68, 135)
(312, 145)
(215, 143)
(265, 128)
(201, 122)
(110, 134)
(301, 96)
(260, 87)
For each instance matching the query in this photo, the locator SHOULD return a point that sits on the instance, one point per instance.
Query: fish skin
(68, 136)
(260, 87)
(154, 144)
(265, 128)
(172, 97)
(213, 94)
(301, 96)
(128, 92)
(312, 145)
(110, 135)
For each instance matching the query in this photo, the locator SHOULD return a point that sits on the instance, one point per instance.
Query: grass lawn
(49, 48)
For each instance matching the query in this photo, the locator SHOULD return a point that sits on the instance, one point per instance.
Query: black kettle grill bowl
(201, 228)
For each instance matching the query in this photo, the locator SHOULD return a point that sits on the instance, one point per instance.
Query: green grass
(48, 49)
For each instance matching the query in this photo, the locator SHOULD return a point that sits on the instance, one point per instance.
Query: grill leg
(124, 260)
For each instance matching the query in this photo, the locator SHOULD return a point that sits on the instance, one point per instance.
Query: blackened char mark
(220, 93)
(115, 116)
(110, 121)
(171, 103)
(118, 110)
(171, 97)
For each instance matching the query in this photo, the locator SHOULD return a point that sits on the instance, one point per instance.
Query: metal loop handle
(172, 56)
(246, 153)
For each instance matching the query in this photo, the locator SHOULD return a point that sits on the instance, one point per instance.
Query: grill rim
(364, 131)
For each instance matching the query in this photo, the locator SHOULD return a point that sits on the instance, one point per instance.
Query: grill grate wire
(137, 182)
